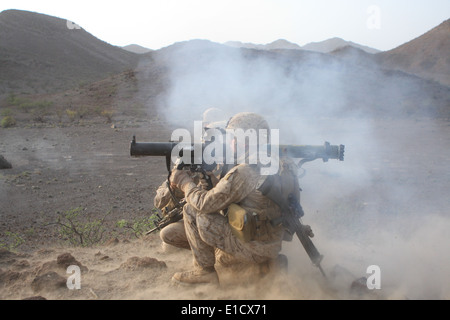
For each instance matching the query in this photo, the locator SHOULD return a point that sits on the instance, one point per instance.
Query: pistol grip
(180, 166)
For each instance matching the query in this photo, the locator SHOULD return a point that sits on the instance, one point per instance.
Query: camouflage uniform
(174, 233)
(210, 235)
(207, 229)
(214, 118)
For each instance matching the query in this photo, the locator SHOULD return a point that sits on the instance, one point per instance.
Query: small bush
(38, 107)
(26, 105)
(13, 241)
(8, 121)
(6, 112)
(138, 226)
(14, 100)
(76, 229)
(71, 114)
(108, 114)
(59, 112)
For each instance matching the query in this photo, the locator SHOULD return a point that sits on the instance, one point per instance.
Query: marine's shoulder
(243, 171)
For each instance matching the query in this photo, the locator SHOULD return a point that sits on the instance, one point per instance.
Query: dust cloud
(282, 84)
(386, 204)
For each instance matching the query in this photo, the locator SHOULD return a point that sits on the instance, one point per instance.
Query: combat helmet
(248, 120)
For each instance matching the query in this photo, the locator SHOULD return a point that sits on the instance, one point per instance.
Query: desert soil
(357, 209)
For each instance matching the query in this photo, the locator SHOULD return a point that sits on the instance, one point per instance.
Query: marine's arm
(162, 196)
(232, 188)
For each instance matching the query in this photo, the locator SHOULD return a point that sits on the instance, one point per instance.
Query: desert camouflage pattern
(212, 115)
(208, 231)
(175, 235)
(163, 197)
(248, 120)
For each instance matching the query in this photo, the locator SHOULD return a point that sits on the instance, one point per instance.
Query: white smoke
(386, 203)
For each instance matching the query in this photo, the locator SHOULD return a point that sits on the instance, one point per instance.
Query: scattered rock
(7, 257)
(48, 281)
(6, 254)
(62, 262)
(66, 259)
(360, 290)
(101, 256)
(7, 277)
(4, 164)
(21, 264)
(136, 263)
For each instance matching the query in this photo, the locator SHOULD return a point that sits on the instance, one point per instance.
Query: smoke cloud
(285, 83)
(387, 203)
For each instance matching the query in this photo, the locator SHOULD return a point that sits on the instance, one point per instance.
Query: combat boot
(197, 276)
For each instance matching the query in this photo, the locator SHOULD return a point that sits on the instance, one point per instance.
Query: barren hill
(332, 44)
(354, 55)
(41, 53)
(282, 44)
(277, 44)
(201, 73)
(386, 204)
(426, 56)
(180, 81)
(135, 48)
(325, 46)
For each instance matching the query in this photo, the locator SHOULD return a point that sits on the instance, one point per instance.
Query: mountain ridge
(135, 48)
(425, 56)
(325, 46)
(39, 52)
(45, 55)
(332, 44)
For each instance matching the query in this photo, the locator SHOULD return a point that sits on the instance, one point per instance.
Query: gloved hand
(204, 182)
(179, 179)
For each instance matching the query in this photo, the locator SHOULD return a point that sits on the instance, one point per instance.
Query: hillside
(73, 195)
(40, 53)
(325, 46)
(333, 44)
(178, 82)
(277, 44)
(356, 56)
(41, 56)
(135, 48)
(426, 56)
(201, 73)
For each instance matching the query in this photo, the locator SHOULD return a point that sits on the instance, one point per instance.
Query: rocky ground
(386, 204)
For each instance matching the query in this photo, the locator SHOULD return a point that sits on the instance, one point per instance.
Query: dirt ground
(386, 204)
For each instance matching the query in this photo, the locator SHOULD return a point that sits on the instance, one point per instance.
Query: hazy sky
(381, 24)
